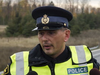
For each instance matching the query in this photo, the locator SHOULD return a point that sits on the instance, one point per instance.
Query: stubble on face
(52, 44)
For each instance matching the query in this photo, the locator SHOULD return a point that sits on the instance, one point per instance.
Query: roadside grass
(18, 41)
(2, 28)
(90, 38)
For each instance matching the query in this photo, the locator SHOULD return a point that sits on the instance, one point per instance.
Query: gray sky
(94, 3)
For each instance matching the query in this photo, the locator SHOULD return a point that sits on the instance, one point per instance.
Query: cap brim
(35, 29)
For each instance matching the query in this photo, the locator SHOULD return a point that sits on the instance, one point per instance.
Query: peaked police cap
(51, 18)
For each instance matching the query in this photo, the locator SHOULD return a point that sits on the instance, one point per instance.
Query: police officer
(51, 56)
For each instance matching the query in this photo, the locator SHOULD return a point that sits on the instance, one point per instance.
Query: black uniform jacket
(38, 58)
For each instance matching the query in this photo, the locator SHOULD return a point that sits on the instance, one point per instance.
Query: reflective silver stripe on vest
(19, 63)
(84, 74)
(80, 54)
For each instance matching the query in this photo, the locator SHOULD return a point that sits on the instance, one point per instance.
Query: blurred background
(16, 24)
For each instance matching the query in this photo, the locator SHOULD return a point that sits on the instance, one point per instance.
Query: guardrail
(1, 72)
(95, 47)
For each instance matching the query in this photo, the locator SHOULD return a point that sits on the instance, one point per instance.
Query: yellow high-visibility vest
(80, 56)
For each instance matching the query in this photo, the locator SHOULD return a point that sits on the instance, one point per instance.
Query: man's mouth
(47, 47)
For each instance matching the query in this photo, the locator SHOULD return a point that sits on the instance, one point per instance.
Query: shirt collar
(64, 56)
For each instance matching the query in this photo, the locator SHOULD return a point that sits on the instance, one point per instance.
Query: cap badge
(45, 27)
(64, 24)
(45, 19)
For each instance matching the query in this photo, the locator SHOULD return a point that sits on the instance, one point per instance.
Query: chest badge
(45, 19)
(78, 70)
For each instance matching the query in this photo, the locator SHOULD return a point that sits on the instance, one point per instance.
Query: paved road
(96, 55)
(1, 73)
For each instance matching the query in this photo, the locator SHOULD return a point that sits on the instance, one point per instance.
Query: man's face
(53, 41)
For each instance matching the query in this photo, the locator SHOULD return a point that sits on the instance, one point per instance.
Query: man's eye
(41, 33)
(52, 33)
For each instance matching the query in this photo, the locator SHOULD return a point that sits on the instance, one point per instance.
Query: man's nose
(45, 37)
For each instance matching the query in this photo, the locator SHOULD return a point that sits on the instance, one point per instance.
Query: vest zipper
(52, 71)
(51, 68)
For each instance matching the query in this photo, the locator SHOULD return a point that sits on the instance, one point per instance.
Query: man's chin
(47, 51)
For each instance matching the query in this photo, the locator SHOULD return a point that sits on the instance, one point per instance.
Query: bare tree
(6, 11)
(8, 5)
(43, 2)
(70, 5)
(87, 9)
(77, 6)
(98, 10)
(83, 3)
(33, 1)
(51, 3)
(24, 3)
(1, 3)
(33, 4)
(17, 1)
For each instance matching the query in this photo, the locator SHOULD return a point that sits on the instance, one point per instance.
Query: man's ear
(67, 35)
